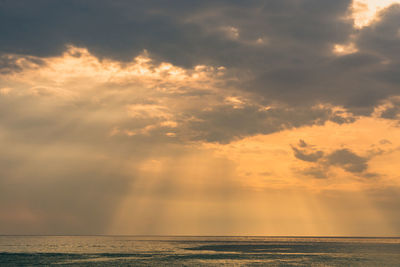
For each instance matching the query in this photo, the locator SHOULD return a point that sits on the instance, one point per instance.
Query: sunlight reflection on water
(197, 251)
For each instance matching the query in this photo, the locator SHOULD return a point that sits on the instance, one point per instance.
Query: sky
(200, 117)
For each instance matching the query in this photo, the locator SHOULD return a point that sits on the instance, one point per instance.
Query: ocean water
(197, 251)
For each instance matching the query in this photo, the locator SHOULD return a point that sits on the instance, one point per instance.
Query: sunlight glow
(365, 11)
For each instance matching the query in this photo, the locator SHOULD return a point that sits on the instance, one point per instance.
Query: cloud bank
(103, 101)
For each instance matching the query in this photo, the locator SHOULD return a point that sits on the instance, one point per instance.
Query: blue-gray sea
(197, 251)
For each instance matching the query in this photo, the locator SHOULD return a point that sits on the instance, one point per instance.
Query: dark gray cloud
(347, 160)
(391, 111)
(343, 158)
(280, 50)
(226, 123)
(382, 37)
(306, 152)
(175, 30)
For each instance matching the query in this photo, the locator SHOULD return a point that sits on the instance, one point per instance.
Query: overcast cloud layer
(281, 49)
(97, 97)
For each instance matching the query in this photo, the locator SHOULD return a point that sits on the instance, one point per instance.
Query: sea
(197, 251)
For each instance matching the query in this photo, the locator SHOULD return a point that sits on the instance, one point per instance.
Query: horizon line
(184, 235)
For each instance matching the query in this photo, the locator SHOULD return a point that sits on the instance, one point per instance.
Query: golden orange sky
(290, 131)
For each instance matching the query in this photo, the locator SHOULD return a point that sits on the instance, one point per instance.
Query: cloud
(91, 91)
(10, 63)
(316, 172)
(391, 110)
(382, 37)
(347, 160)
(225, 123)
(295, 66)
(306, 153)
(344, 158)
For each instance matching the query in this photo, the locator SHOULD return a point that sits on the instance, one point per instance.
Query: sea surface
(197, 251)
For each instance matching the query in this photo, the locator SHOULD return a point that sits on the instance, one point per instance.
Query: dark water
(197, 251)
